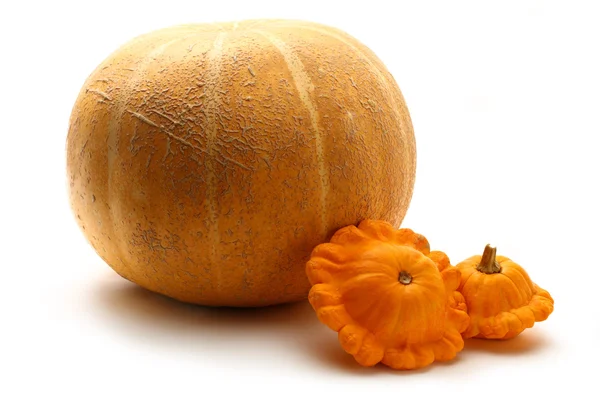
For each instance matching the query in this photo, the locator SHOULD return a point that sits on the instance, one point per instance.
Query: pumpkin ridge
(371, 353)
(348, 234)
(397, 315)
(443, 341)
(500, 318)
(212, 82)
(384, 297)
(371, 266)
(517, 290)
(464, 284)
(377, 230)
(545, 299)
(366, 279)
(441, 260)
(334, 316)
(385, 82)
(324, 294)
(351, 338)
(528, 282)
(303, 84)
(385, 77)
(114, 132)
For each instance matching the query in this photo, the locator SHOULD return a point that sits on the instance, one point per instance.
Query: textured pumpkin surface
(389, 301)
(502, 302)
(205, 162)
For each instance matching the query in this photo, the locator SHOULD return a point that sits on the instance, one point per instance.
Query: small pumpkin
(501, 298)
(389, 298)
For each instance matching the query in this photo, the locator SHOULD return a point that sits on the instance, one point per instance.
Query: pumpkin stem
(404, 278)
(488, 263)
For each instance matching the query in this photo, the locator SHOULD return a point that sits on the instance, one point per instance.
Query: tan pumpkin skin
(205, 162)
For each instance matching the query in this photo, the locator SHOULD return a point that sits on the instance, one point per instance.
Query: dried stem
(488, 263)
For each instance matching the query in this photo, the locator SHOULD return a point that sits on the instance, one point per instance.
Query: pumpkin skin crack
(360, 289)
(500, 296)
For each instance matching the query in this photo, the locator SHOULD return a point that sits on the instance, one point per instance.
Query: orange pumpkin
(389, 301)
(501, 298)
(206, 161)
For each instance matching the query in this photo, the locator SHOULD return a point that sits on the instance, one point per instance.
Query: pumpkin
(387, 299)
(206, 161)
(501, 298)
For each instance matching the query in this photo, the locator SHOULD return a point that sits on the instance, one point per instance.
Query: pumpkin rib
(421, 264)
(523, 297)
(368, 267)
(546, 305)
(374, 230)
(348, 234)
(459, 300)
(464, 281)
(324, 295)
(381, 298)
(371, 353)
(533, 308)
(440, 259)
(458, 318)
(319, 269)
(372, 320)
(335, 317)
(451, 277)
(525, 315)
(408, 237)
(408, 360)
(528, 283)
(351, 338)
(339, 36)
(501, 320)
(367, 279)
(329, 251)
(442, 349)
(303, 84)
(398, 315)
(457, 312)
(113, 132)
(514, 324)
(396, 358)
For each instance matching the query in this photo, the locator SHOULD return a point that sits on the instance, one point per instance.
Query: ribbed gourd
(206, 161)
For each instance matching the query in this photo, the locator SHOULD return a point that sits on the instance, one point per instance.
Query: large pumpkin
(205, 162)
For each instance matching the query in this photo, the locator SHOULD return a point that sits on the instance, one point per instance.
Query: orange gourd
(501, 298)
(389, 298)
(205, 162)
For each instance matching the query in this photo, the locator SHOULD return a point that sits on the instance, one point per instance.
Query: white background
(505, 101)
